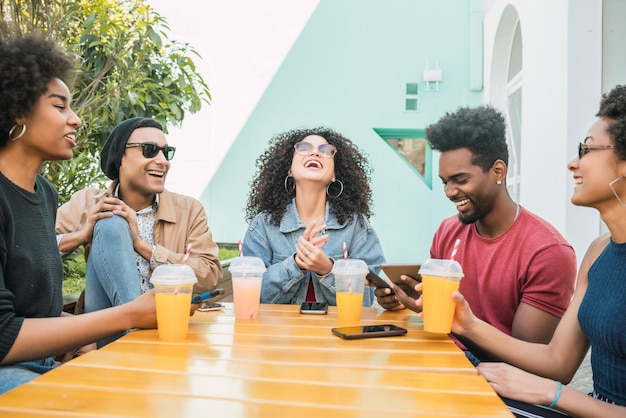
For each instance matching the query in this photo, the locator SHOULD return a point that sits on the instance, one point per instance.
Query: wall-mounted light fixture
(433, 75)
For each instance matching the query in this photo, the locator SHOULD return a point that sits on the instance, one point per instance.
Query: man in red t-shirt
(519, 271)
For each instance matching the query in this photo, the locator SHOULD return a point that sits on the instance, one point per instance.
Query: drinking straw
(345, 257)
(455, 249)
(187, 252)
(185, 260)
(245, 276)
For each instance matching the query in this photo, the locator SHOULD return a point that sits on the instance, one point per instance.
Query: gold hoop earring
(23, 125)
(615, 191)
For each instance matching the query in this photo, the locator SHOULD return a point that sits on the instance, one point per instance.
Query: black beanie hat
(115, 145)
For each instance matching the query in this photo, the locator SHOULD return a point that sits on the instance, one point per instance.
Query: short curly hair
(480, 129)
(613, 109)
(268, 194)
(27, 66)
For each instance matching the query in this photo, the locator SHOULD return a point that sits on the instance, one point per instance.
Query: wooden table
(282, 365)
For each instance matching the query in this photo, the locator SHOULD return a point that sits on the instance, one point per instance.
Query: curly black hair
(480, 129)
(613, 109)
(267, 192)
(27, 66)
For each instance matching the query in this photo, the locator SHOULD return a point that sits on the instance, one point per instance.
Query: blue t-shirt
(601, 318)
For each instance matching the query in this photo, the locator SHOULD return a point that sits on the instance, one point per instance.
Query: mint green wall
(347, 70)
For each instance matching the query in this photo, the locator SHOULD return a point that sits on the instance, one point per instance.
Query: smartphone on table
(315, 308)
(394, 271)
(369, 331)
(210, 306)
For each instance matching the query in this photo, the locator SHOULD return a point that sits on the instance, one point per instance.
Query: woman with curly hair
(310, 195)
(595, 316)
(37, 124)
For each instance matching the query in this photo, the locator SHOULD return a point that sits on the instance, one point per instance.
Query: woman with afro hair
(310, 194)
(37, 124)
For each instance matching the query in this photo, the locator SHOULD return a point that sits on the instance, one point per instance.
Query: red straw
(345, 256)
(245, 275)
(187, 252)
(454, 250)
(185, 260)
(456, 247)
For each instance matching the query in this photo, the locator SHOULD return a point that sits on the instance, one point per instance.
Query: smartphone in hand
(369, 331)
(394, 271)
(378, 281)
(207, 295)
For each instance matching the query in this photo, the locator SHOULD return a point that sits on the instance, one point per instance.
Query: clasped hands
(309, 254)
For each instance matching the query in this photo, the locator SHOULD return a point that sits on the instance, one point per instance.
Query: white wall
(561, 90)
(242, 43)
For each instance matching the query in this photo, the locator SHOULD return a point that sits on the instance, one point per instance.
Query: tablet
(394, 271)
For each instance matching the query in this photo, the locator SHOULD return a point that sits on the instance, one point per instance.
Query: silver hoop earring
(340, 189)
(23, 125)
(615, 192)
(289, 189)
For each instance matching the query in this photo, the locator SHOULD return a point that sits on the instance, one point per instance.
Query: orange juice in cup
(349, 307)
(173, 286)
(349, 285)
(439, 279)
(172, 315)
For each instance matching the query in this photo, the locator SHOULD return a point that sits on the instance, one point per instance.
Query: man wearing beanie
(136, 224)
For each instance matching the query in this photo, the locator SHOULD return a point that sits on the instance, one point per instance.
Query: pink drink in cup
(247, 273)
(439, 279)
(173, 286)
(349, 285)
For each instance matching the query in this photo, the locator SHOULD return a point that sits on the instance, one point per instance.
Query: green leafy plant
(228, 252)
(129, 67)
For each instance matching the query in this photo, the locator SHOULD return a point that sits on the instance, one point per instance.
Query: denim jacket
(284, 282)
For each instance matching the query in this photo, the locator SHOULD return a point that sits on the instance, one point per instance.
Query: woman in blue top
(310, 194)
(595, 316)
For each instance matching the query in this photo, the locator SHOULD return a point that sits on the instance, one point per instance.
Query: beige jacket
(180, 220)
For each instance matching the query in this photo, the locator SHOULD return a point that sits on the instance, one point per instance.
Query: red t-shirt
(530, 263)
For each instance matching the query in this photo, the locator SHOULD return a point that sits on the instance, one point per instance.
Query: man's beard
(471, 217)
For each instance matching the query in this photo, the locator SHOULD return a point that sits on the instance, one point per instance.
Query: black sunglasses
(152, 150)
